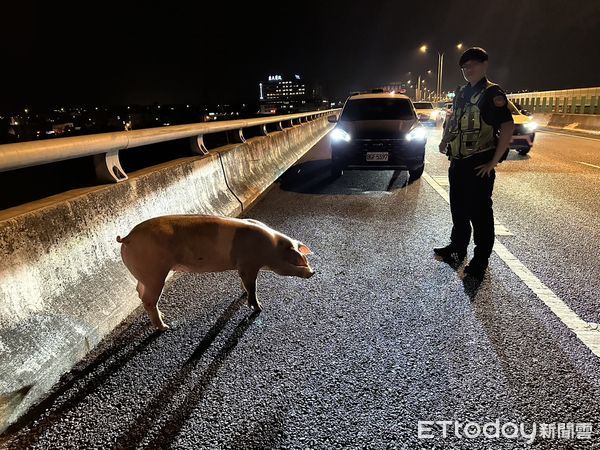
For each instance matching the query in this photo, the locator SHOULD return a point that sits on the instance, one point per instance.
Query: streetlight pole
(440, 74)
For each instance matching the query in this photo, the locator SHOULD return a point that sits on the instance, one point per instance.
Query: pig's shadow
(173, 419)
(86, 377)
(103, 363)
(313, 177)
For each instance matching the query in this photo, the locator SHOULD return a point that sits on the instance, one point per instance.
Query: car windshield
(377, 109)
(423, 105)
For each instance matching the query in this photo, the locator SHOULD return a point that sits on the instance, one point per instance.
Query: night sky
(66, 53)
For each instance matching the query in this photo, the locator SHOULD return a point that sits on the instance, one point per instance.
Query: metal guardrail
(105, 147)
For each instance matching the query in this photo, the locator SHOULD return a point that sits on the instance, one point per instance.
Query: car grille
(384, 145)
(520, 129)
(377, 134)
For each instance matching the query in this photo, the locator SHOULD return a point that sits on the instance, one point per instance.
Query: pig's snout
(309, 273)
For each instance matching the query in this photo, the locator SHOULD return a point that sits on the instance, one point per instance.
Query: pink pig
(194, 243)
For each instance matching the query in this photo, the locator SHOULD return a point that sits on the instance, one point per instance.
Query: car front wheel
(524, 151)
(416, 174)
(336, 170)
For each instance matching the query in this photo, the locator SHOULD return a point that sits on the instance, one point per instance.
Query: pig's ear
(304, 249)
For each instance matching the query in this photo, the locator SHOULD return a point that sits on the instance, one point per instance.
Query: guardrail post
(263, 130)
(235, 137)
(197, 145)
(108, 167)
(279, 126)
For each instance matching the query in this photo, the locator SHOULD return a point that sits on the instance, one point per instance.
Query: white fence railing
(105, 147)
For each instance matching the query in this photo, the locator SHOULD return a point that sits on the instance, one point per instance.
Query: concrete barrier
(542, 119)
(64, 286)
(580, 122)
(253, 166)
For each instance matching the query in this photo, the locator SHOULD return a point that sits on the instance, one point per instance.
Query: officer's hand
(442, 147)
(485, 170)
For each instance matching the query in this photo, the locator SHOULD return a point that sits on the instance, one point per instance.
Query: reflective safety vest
(468, 133)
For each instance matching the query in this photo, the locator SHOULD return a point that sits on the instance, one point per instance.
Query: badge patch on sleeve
(499, 101)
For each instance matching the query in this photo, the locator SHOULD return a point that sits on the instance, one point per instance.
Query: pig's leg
(249, 281)
(150, 293)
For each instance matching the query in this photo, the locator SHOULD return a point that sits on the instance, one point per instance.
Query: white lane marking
(587, 332)
(587, 164)
(568, 135)
(439, 189)
(501, 230)
(442, 181)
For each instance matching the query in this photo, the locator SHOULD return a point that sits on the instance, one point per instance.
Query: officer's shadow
(471, 284)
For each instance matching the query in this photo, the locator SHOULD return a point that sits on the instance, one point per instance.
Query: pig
(202, 243)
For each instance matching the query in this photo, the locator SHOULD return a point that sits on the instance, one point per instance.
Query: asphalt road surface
(383, 337)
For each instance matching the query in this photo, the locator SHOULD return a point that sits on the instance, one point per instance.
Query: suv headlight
(531, 126)
(340, 135)
(418, 134)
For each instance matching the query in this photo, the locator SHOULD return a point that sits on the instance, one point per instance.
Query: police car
(378, 131)
(524, 134)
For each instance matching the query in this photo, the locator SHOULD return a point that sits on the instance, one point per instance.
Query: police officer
(476, 138)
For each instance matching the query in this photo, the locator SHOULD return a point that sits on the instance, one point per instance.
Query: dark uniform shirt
(494, 111)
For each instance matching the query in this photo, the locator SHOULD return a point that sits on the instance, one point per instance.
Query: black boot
(450, 252)
(476, 268)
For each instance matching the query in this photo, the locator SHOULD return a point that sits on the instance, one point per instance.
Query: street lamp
(423, 49)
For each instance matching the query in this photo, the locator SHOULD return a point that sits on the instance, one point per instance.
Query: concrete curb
(64, 286)
(575, 122)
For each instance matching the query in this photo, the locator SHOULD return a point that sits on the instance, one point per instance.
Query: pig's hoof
(163, 327)
(256, 307)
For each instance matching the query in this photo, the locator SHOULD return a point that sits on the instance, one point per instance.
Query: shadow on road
(173, 415)
(515, 156)
(531, 359)
(83, 379)
(313, 177)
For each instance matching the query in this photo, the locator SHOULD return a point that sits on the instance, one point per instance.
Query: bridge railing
(105, 147)
(565, 101)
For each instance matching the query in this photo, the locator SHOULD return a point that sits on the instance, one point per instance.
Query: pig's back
(193, 243)
(203, 243)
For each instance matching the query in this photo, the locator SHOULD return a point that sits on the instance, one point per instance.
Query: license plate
(377, 156)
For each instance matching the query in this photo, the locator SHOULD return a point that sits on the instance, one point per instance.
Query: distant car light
(340, 135)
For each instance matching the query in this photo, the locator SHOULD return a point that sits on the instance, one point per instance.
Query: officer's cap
(473, 54)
